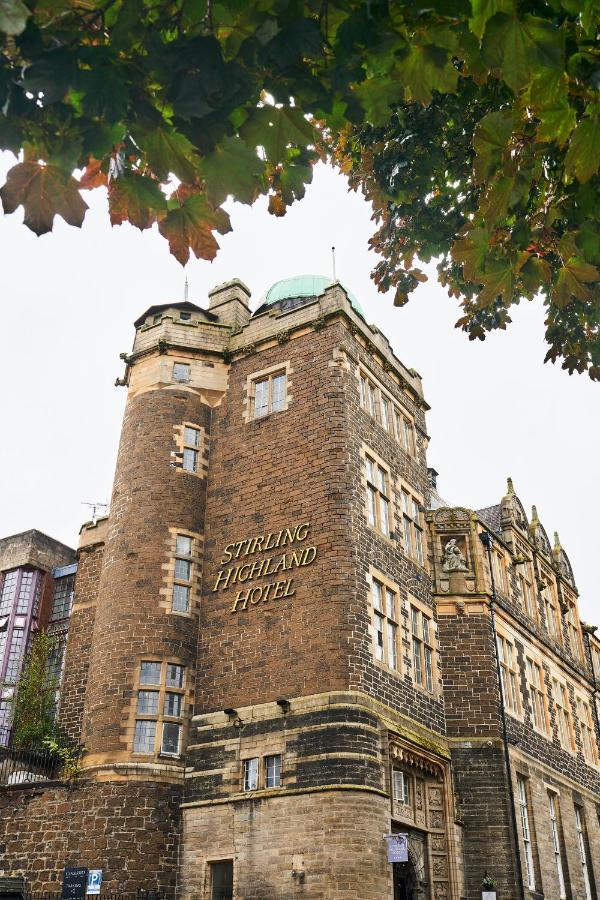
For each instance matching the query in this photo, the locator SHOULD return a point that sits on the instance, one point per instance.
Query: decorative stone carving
(454, 560)
(455, 515)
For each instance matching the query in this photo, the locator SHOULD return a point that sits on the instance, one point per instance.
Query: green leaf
(377, 96)
(498, 281)
(293, 181)
(489, 142)
(275, 129)
(168, 152)
(424, 69)
(494, 204)
(548, 97)
(136, 199)
(190, 227)
(514, 47)
(13, 16)
(483, 10)
(572, 281)
(233, 169)
(44, 192)
(534, 273)
(583, 156)
(471, 251)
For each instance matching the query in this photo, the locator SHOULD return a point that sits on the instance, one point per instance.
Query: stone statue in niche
(454, 560)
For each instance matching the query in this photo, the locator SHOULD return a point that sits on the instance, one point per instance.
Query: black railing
(31, 764)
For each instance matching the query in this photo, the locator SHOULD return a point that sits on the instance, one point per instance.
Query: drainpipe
(486, 539)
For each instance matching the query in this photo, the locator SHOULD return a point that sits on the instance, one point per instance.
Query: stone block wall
(128, 829)
(332, 840)
(81, 629)
(540, 781)
(152, 498)
(483, 806)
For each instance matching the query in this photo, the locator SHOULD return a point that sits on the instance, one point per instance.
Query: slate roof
(491, 517)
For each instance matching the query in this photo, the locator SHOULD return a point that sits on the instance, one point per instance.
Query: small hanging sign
(397, 847)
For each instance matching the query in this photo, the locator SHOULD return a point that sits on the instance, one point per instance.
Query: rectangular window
(537, 696)
(586, 728)
(269, 394)
(160, 703)
(181, 372)
(9, 587)
(24, 593)
(251, 774)
(185, 316)
(509, 675)
(563, 714)
(529, 600)
(378, 497)
(147, 704)
(15, 655)
(385, 625)
(182, 579)
(63, 598)
(550, 611)
(175, 675)
(145, 736)
(191, 442)
(554, 828)
(525, 831)
(401, 785)
(582, 845)
(221, 880)
(150, 673)
(171, 738)
(573, 631)
(173, 705)
(385, 413)
(412, 527)
(273, 771)
(422, 648)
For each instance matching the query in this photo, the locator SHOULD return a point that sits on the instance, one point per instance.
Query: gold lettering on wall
(275, 564)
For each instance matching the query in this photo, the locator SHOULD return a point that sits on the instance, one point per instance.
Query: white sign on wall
(397, 847)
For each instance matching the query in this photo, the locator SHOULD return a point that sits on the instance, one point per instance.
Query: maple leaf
(136, 199)
(93, 176)
(277, 205)
(572, 281)
(190, 226)
(234, 169)
(44, 192)
(583, 156)
(489, 142)
(276, 129)
(471, 251)
(168, 151)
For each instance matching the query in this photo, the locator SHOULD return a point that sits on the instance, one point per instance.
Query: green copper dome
(304, 286)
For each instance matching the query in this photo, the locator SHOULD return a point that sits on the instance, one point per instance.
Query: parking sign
(94, 881)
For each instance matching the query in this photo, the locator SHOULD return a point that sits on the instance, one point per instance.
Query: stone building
(287, 654)
(36, 588)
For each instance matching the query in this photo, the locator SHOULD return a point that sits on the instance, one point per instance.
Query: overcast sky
(69, 300)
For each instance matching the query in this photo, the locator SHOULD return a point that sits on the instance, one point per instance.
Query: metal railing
(29, 764)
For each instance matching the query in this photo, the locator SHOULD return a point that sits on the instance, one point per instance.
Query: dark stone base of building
(129, 829)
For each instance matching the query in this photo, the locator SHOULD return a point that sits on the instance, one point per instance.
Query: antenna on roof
(95, 508)
(333, 262)
(185, 289)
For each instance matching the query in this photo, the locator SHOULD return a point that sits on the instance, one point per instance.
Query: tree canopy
(472, 126)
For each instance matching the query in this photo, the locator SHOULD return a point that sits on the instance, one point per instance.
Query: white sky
(68, 301)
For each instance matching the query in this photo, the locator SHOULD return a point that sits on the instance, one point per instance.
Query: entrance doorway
(404, 881)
